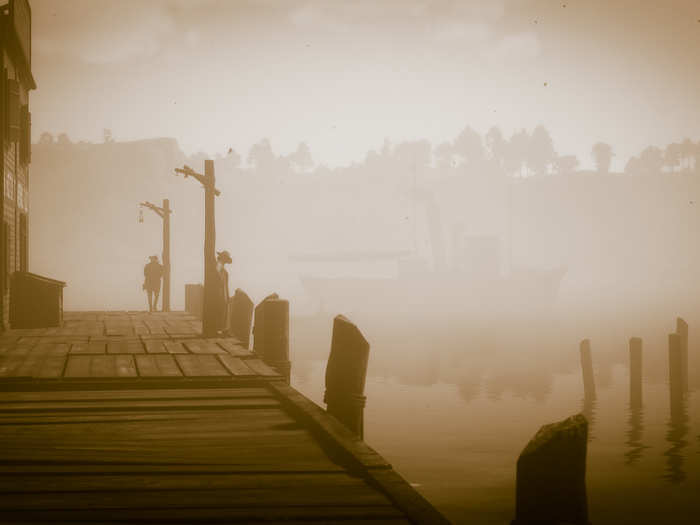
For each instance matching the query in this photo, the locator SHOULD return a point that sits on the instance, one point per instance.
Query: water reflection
(635, 430)
(676, 436)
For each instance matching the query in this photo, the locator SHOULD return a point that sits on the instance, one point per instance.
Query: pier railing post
(551, 475)
(276, 338)
(259, 325)
(587, 370)
(346, 373)
(635, 372)
(241, 317)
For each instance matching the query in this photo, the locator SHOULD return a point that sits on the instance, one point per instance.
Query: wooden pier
(133, 417)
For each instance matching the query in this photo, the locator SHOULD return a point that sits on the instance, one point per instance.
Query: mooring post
(259, 324)
(675, 368)
(551, 475)
(682, 331)
(241, 317)
(346, 373)
(587, 369)
(276, 338)
(635, 372)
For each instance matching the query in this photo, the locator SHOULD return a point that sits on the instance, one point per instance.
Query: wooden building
(16, 81)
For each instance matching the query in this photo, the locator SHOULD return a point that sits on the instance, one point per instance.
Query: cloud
(101, 32)
(520, 47)
(459, 31)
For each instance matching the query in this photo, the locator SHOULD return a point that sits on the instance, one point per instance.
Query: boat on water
(417, 290)
(475, 279)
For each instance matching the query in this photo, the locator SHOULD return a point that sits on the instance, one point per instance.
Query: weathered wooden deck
(127, 417)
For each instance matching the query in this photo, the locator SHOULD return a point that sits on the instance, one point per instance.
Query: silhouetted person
(222, 258)
(152, 272)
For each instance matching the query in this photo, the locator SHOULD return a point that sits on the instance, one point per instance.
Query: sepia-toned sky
(343, 75)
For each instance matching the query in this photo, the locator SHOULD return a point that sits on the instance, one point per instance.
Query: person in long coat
(222, 258)
(152, 273)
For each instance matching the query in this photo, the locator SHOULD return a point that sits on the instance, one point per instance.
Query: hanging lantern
(140, 215)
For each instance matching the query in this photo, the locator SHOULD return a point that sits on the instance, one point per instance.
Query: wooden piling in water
(241, 317)
(675, 368)
(346, 373)
(682, 331)
(587, 369)
(635, 372)
(551, 475)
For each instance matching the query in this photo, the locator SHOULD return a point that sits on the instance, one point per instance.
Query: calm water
(452, 407)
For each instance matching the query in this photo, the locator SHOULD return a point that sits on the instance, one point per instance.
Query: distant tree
(46, 138)
(696, 157)
(260, 155)
(516, 160)
(107, 136)
(565, 165)
(651, 161)
(469, 146)
(687, 154)
(540, 153)
(233, 158)
(672, 156)
(633, 166)
(63, 139)
(443, 155)
(496, 146)
(413, 154)
(386, 148)
(602, 154)
(301, 158)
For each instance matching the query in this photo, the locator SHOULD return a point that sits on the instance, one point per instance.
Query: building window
(6, 256)
(9, 184)
(22, 197)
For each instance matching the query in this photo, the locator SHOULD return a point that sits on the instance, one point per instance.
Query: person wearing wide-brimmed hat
(152, 272)
(222, 258)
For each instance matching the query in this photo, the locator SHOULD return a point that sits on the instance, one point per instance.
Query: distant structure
(16, 81)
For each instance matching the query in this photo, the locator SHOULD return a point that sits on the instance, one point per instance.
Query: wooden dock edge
(360, 455)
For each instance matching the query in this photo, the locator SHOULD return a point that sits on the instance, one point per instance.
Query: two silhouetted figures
(152, 273)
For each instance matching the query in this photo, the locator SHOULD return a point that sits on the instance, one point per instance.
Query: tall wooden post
(209, 316)
(164, 213)
(587, 369)
(635, 372)
(682, 331)
(166, 255)
(211, 313)
(675, 368)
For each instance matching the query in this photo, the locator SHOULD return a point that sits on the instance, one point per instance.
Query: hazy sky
(342, 75)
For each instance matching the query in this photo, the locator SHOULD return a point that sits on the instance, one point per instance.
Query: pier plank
(201, 365)
(155, 424)
(162, 365)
